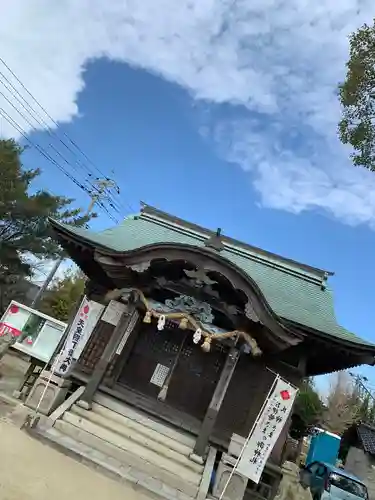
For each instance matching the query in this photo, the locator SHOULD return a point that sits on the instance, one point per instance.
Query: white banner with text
(269, 425)
(80, 331)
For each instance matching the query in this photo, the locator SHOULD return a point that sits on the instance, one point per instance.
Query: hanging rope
(188, 321)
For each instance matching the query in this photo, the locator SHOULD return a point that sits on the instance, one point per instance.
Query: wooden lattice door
(195, 377)
(151, 349)
(194, 373)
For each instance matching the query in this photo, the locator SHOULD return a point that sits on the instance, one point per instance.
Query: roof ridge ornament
(323, 284)
(215, 241)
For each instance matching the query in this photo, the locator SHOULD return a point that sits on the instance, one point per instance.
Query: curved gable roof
(295, 292)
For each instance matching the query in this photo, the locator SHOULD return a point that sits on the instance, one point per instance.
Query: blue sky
(223, 113)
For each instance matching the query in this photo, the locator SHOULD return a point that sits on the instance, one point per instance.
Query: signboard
(159, 375)
(80, 331)
(113, 312)
(30, 331)
(269, 425)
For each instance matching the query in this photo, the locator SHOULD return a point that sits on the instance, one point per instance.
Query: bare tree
(343, 404)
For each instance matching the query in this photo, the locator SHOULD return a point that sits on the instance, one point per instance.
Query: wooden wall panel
(94, 347)
(246, 393)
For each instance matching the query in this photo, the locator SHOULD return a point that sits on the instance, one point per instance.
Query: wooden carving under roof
(201, 273)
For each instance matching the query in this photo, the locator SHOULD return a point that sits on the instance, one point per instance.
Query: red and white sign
(7, 329)
(79, 333)
(42, 332)
(270, 423)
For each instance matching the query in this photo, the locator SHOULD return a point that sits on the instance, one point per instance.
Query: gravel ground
(31, 470)
(12, 371)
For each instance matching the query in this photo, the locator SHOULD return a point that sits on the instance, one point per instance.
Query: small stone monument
(290, 487)
(236, 487)
(48, 392)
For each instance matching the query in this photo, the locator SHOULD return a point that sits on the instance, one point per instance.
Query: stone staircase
(134, 447)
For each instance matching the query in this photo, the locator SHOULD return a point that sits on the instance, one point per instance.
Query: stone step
(144, 436)
(110, 466)
(130, 453)
(140, 417)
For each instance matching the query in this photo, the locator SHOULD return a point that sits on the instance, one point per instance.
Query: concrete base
(47, 393)
(17, 394)
(196, 458)
(84, 404)
(236, 444)
(237, 485)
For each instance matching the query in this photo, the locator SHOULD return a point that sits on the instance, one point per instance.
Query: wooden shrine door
(172, 352)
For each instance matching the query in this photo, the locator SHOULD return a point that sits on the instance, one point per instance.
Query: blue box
(324, 447)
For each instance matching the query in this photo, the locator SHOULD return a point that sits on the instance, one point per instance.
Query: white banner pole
(277, 377)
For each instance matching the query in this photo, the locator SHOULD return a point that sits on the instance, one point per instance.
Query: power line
(32, 126)
(21, 131)
(50, 117)
(49, 158)
(360, 384)
(18, 127)
(42, 122)
(102, 184)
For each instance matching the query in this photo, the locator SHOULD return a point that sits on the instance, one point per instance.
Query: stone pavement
(31, 470)
(12, 370)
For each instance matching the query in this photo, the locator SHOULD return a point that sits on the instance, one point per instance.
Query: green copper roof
(295, 292)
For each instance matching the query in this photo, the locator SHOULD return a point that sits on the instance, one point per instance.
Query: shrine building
(207, 322)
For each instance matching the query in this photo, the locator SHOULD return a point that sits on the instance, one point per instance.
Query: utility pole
(360, 384)
(364, 393)
(100, 187)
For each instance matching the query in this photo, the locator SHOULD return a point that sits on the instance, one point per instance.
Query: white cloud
(280, 60)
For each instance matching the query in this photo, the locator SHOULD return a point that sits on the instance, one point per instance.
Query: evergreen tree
(357, 97)
(64, 294)
(364, 409)
(307, 410)
(371, 412)
(24, 227)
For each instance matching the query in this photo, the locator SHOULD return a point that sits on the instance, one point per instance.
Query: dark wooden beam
(215, 404)
(123, 352)
(126, 320)
(302, 364)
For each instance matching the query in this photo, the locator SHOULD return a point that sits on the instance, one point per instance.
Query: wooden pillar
(119, 333)
(215, 405)
(123, 350)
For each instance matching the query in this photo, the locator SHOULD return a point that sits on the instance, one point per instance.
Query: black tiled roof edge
(366, 434)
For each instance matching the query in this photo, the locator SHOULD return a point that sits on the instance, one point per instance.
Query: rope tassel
(147, 318)
(184, 323)
(206, 346)
(161, 322)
